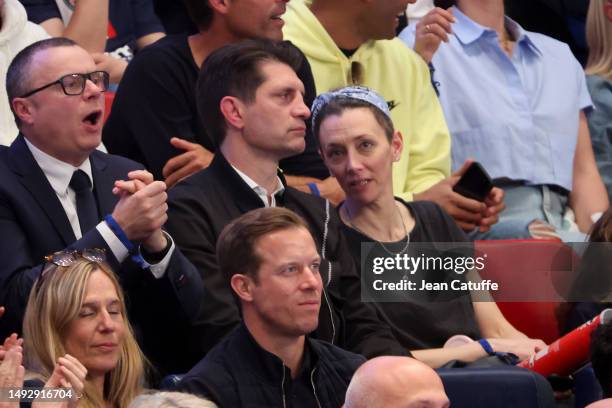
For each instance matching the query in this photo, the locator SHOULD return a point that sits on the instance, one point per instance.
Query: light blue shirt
(517, 116)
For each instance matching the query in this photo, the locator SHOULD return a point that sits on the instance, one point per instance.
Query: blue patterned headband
(361, 93)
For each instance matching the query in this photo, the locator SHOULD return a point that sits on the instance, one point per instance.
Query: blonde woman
(599, 82)
(76, 308)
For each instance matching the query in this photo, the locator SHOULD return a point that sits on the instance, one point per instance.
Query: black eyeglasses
(67, 258)
(74, 84)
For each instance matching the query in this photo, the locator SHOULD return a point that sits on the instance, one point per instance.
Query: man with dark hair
(255, 131)
(601, 357)
(57, 192)
(270, 260)
(154, 118)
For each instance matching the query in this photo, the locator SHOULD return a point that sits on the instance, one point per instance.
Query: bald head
(395, 382)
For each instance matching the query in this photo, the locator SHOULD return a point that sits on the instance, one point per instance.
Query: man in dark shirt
(269, 258)
(251, 101)
(154, 118)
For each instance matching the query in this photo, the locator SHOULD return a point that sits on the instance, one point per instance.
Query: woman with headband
(359, 145)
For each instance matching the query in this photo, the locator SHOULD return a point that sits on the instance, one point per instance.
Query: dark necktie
(87, 210)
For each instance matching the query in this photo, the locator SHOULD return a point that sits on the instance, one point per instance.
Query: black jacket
(239, 373)
(202, 205)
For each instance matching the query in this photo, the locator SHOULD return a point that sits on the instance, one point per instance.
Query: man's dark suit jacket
(33, 224)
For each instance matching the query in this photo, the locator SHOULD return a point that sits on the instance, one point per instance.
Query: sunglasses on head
(67, 258)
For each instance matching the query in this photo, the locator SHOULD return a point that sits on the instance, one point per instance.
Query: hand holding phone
(475, 183)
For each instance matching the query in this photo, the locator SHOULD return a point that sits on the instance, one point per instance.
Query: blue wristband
(118, 231)
(314, 189)
(487, 347)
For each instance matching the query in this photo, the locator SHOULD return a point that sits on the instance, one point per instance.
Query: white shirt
(260, 191)
(59, 174)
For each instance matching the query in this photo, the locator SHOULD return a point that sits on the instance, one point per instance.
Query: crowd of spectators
(255, 149)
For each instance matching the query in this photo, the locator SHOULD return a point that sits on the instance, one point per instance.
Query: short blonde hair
(599, 40)
(53, 304)
(168, 399)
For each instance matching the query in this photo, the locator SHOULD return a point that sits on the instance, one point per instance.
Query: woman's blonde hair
(54, 302)
(599, 40)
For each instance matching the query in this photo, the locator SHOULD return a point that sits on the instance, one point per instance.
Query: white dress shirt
(260, 191)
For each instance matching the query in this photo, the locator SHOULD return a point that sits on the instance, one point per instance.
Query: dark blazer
(204, 203)
(33, 224)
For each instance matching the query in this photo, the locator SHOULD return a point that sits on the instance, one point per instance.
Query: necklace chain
(350, 220)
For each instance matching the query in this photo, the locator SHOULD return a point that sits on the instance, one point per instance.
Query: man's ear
(397, 145)
(242, 286)
(232, 109)
(220, 6)
(23, 108)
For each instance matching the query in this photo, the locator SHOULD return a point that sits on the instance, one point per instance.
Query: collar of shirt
(58, 172)
(468, 31)
(259, 190)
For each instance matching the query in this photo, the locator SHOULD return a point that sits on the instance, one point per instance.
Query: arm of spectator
(328, 188)
(431, 30)
(193, 233)
(10, 342)
(426, 159)
(186, 285)
(141, 210)
(495, 205)
(437, 357)
(88, 25)
(12, 373)
(500, 334)
(149, 39)
(195, 157)
(68, 373)
(588, 195)
(492, 322)
(114, 66)
(466, 212)
(147, 26)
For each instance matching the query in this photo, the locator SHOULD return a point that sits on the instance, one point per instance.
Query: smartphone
(475, 183)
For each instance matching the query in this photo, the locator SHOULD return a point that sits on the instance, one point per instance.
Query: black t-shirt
(156, 101)
(422, 324)
(129, 20)
(174, 17)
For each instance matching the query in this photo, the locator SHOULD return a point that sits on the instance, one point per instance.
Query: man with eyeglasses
(58, 192)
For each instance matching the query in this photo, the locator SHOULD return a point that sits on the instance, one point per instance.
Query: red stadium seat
(532, 276)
